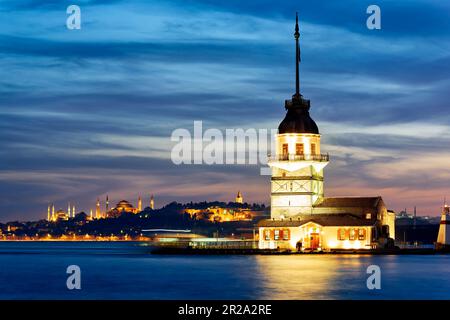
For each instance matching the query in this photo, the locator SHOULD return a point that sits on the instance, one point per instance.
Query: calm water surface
(34, 270)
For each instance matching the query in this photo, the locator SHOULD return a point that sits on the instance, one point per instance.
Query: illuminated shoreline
(78, 239)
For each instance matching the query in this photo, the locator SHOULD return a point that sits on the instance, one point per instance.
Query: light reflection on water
(345, 276)
(287, 278)
(128, 271)
(304, 277)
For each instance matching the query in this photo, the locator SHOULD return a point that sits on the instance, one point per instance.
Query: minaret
(139, 204)
(415, 218)
(152, 202)
(97, 209)
(239, 198)
(53, 212)
(443, 240)
(73, 211)
(68, 210)
(48, 212)
(107, 204)
(297, 166)
(92, 215)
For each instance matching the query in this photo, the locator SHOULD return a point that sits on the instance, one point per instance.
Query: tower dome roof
(297, 119)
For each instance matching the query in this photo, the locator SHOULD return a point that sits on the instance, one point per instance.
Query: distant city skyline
(90, 112)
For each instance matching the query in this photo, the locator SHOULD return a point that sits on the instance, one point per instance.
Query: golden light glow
(347, 244)
(332, 244)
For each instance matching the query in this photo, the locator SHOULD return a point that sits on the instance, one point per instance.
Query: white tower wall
(297, 175)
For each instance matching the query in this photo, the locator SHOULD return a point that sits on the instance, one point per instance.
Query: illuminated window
(342, 234)
(361, 234)
(285, 149)
(313, 148)
(352, 234)
(276, 234)
(267, 234)
(368, 216)
(299, 148)
(286, 234)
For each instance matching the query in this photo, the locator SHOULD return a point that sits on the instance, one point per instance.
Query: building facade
(239, 198)
(302, 218)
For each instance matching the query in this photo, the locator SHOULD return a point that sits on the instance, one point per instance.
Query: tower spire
(297, 58)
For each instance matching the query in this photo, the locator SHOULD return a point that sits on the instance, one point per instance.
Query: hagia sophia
(122, 206)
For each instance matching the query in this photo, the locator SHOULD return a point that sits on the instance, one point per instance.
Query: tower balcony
(293, 162)
(299, 157)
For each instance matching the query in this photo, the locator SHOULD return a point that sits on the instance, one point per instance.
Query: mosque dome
(124, 205)
(61, 215)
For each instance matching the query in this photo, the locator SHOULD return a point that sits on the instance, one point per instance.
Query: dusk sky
(90, 112)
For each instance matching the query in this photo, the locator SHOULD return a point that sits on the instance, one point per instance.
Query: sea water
(127, 270)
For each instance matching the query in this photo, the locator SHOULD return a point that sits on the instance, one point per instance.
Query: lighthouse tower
(443, 240)
(297, 166)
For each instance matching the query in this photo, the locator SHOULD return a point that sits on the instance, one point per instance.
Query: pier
(249, 247)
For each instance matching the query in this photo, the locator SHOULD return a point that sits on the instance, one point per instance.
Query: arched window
(299, 148)
(352, 234)
(342, 234)
(361, 234)
(276, 235)
(313, 148)
(284, 150)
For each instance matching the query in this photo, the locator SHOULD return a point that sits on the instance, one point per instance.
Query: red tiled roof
(349, 202)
